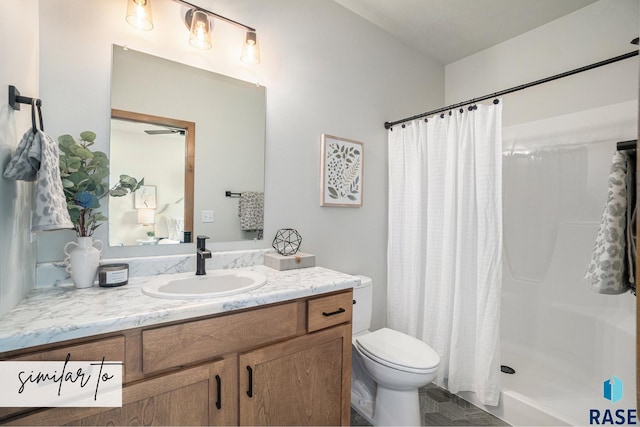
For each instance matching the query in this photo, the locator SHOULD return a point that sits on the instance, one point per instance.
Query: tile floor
(441, 408)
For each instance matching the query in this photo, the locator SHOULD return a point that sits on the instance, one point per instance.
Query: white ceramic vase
(83, 261)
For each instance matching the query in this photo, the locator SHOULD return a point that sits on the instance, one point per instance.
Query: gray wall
(19, 53)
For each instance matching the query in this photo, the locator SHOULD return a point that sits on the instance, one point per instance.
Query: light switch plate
(207, 216)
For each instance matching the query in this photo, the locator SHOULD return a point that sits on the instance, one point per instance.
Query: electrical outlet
(207, 216)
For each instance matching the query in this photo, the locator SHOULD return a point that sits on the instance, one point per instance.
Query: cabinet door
(188, 397)
(302, 381)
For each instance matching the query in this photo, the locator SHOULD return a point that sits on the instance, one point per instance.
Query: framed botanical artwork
(341, 172)
(145, 197)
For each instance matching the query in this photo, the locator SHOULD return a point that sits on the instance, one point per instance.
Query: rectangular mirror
(198, 139)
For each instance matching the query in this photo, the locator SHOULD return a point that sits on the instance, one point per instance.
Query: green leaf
(332, 192)
(66, 140)
(127, 181)
(88, 136)
(350, 197)
(78, 177)
(66, 183)
(74, 163)
(118, 192)
(81, 152)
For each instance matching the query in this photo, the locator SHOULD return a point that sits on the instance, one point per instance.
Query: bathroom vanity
(279, 355)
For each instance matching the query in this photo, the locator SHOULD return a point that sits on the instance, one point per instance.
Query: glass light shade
(139, 14)
(146, 216)
(200, 33)
(250, 49)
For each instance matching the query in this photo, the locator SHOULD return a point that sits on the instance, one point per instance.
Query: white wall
(599, 31)
(326, 71)
(19, 53)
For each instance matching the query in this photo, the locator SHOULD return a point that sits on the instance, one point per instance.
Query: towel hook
(33, 116)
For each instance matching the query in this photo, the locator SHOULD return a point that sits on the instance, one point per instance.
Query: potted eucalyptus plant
(85, 180)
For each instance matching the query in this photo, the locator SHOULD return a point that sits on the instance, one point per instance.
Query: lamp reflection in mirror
(250, 49)
(146, 217)
(139, 14)
(200, 32)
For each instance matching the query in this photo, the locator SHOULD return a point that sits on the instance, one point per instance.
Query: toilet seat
(398, 351)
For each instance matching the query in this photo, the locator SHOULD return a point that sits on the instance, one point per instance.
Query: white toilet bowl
(388, 367)
(399, 364)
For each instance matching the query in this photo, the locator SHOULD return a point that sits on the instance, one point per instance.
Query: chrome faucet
(202, 253)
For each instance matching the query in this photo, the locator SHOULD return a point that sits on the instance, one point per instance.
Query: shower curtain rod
(388, 125)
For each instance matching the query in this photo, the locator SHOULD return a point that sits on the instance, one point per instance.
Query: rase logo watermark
(65, 383)
(613, 390)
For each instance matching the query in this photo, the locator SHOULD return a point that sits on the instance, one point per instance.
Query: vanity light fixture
(139, 14)
(250, 49)
(199, 29)
(199, 23)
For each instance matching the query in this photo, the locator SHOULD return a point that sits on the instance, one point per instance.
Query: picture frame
(145, 197)
(342, 166)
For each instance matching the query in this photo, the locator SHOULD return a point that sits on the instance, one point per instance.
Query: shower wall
(562, 338)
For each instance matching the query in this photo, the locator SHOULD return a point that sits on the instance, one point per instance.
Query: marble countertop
(55, 314)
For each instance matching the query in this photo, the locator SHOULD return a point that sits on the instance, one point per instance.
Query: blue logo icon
(613, 389)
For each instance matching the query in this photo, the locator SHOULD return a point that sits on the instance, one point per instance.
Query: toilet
(388, 367)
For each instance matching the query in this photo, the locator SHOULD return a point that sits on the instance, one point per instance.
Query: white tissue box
(289, 262)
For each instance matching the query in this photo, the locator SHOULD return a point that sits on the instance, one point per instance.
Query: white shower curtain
(445, 243)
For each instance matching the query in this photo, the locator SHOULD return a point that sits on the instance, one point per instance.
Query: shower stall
(562, 339)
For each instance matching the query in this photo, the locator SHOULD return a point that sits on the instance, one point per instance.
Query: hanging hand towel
(609, 270)
(251, 210)
(36, 159)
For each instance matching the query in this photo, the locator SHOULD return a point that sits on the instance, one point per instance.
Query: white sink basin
(214, 284)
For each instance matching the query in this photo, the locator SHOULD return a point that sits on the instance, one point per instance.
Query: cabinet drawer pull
(219, 388)
(333, 313)
(250, 391)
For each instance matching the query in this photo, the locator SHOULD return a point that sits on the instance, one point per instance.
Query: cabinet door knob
(333, 313)
(219, 389)
(250, 390)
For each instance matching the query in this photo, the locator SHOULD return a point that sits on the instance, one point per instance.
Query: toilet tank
(362, 305)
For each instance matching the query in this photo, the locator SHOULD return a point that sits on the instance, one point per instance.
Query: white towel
(251, 210)
(611, 270)
(37, 159)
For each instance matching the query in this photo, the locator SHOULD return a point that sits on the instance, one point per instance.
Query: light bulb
(250, 49)
(139, 14)
(200, 34)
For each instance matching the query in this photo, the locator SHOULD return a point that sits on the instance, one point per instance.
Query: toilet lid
(398, 350)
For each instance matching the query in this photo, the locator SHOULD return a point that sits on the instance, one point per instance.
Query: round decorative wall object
(287, 241)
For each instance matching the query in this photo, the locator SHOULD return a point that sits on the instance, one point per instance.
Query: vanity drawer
(192, 342)
(111, 349)
(328, 311)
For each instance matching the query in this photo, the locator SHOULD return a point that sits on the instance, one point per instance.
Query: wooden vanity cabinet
(185, 397)
(279, 364)
(298, 382)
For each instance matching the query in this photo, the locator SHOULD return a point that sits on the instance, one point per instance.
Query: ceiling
(449, 30)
